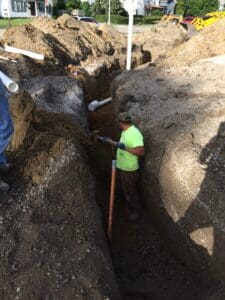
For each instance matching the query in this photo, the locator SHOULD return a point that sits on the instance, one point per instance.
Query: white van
(25, 9)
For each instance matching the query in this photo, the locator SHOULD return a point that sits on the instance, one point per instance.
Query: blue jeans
(6, 124)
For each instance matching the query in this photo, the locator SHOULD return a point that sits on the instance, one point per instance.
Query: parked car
(86, 19)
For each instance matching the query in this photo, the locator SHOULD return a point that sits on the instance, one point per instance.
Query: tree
(71, 4)
(99, 7)
(117, 9)
(59, 4)
(86, 7)
(102, 6)
(199, 7)
(180, 7)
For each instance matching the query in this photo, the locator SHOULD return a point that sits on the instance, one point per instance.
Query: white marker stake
(129, 37)
(130, 6)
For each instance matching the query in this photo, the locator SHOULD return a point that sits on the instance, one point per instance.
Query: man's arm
(139, 151)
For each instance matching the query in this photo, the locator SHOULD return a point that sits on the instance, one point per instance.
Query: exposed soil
(144, 266)
(169, 44)
(161, 39)
(50, 226)
(207, 43)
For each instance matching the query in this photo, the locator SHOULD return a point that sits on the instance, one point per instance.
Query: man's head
(124, 120)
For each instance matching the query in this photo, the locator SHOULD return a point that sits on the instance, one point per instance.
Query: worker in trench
(129, 149)
(6, 132)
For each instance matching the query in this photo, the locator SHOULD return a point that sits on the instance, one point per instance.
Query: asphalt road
(136, 28)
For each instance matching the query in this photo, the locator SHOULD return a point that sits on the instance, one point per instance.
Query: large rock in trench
(52, 245)
(181, 113)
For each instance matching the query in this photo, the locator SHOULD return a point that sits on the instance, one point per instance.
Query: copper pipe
(112, 197)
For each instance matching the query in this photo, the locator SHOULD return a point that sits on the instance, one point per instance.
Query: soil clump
(161, 39)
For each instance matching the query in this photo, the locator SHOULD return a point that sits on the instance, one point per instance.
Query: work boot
(5, 168)
(4, 187)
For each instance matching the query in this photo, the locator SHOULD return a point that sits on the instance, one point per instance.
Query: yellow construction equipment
(172, 18)
(207, 20)
(197, 23)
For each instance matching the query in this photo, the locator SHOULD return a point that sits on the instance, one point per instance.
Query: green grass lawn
(4, 23)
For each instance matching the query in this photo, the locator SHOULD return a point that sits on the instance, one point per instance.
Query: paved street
(136, 29)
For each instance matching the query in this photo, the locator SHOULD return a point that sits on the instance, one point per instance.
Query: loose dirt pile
(169, 45)
(160, 39)
(64, 38)
(50, 226)
(209, 42)
(69, 41)
(83, 51)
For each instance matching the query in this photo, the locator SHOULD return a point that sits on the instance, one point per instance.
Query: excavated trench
(144, 266)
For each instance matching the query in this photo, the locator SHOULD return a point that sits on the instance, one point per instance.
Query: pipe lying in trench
(96, 104)
(11, 85)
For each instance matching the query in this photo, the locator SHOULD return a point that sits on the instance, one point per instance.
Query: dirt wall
(182, 118)
(52, 242)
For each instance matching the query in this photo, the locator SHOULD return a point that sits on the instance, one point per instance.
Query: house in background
(221, 5)
(156, 4)
(25, 9)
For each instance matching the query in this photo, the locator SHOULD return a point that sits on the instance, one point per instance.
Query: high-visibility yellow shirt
(132, 138)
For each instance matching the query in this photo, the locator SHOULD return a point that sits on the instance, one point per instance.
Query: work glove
(120, 146)
(104, 139)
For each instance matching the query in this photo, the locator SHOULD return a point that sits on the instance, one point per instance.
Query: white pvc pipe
(129, 38)
(11, 85)
(25, 52)
(95, 104)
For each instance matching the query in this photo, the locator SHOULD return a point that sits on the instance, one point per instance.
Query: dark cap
(124, 117)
